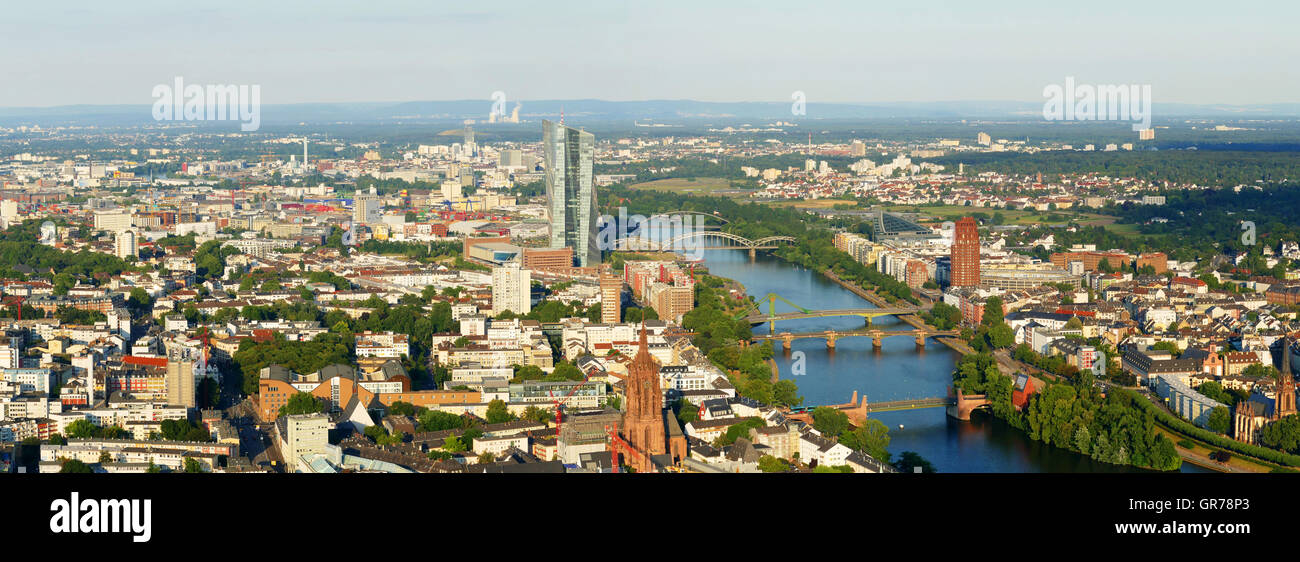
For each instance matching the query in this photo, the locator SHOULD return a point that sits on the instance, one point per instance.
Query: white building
(511, 289)
(126, 245)
(302, 435)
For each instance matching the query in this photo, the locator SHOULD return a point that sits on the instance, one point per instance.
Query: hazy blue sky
(58, 53)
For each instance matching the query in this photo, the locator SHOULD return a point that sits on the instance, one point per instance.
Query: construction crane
(205, 336)
(560, 403)
(16, 301)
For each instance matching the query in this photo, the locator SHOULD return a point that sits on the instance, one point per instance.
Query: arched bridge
(702, 240)
(877, 336)
(668, 217)
(759, 318)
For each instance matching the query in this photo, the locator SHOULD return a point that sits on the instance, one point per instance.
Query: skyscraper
(570, 192)
(965, 254)
(511, 289)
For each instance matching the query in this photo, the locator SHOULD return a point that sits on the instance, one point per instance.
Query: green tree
(497, 412)
(82, 429)
(193, 466)
(74, 466)
(769, 463)
(909, 461)
(786, 393)
(872, 438)
(1220, 421)
(993, 312)
(140, 300)
(301, 403)
(1000, 336)
(454, 444)
(539, 415)
(1169, 346)
(830, 421)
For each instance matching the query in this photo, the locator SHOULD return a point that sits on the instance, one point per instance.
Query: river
(898, 371)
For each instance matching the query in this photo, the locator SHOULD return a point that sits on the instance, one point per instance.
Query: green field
(705, 186)
(951, 212)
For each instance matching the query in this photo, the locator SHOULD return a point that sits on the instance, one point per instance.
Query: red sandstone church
(646, 429)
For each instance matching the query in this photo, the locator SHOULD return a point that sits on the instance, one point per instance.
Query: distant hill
(601, 110)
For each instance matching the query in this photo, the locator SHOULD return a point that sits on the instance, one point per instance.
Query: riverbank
(1199, 455)
(897, 371)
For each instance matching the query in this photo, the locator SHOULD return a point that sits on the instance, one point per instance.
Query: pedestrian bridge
(754, 313)
(957, 404)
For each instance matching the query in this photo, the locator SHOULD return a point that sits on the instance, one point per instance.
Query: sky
(64, 53)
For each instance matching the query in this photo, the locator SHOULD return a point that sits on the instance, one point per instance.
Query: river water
(898, 371)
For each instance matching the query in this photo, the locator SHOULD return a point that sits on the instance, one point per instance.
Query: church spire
(1285, 402)
(1285, 368)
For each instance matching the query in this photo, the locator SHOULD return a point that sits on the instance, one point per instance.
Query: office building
(181, 381)
(966, 254)
(611, 296)
(511, 289)
(545, 258)
(113, 221)
(126, 245)
(366, 209)
(570, 192)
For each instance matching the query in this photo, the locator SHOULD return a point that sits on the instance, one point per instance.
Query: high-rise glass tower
(570, 192)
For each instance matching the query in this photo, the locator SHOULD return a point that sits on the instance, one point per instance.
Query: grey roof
(337, 370)
(277, 372)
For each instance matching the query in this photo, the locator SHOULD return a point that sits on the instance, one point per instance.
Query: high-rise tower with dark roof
(965, 254)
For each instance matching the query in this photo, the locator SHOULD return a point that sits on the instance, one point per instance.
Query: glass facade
(570, 192)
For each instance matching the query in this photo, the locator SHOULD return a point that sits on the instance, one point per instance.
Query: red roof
(1020, 398)
(145, 361)
(1083, 313)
